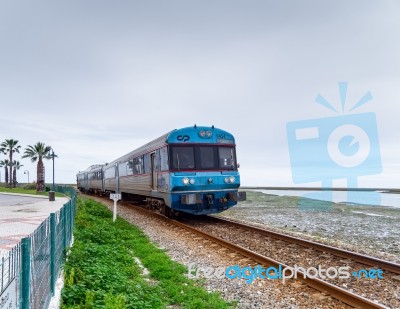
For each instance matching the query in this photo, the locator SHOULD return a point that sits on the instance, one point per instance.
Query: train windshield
(203, 157)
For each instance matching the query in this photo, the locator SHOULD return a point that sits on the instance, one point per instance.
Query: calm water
(358, 197)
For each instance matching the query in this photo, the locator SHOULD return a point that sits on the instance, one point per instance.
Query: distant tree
(10, 146)
(5, 163)
(16, 166)
(38, 152)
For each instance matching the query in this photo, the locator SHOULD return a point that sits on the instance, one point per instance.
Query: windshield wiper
(177, 161)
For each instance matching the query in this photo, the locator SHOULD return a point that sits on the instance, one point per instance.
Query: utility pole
(52, 157)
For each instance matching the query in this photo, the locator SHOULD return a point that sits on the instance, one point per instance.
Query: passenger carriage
(191, 170)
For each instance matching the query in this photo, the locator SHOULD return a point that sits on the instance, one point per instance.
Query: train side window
(122, 169)
(227, 158)
(146, 159)
(109, 173)
(138, 167)
(164, 159)
(129, 167)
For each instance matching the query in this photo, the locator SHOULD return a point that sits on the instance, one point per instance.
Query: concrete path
(21, 214)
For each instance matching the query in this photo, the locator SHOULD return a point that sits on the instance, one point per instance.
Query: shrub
(30, 186)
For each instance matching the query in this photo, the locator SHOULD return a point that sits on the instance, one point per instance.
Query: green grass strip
(24, 191)
(101, 271)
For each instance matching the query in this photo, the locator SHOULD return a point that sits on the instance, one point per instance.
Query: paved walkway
(21, 214)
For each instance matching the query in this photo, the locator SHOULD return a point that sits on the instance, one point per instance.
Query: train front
(204, 175)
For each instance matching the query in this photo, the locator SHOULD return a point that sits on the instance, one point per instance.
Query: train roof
(201, 135)
(92, 168)
(188, 135)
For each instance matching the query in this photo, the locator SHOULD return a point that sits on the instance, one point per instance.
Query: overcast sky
(97, 79)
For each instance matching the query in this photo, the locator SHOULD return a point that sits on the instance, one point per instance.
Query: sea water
(376, 198)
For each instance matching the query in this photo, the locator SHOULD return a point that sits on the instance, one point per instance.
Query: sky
(97, 79)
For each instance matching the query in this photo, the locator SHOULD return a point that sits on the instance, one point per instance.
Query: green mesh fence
(43, 252)
(40, 266)
(9, 267)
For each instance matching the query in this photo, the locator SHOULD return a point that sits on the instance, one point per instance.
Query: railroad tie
(347, 261)
(298, 285)
(396, 278)
(319, 296)
(326, 255)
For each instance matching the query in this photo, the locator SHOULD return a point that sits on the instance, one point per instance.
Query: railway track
(325, 288)
(292, 251)
(325, 249)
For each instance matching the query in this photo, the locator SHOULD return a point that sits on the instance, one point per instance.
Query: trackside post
(115, 198)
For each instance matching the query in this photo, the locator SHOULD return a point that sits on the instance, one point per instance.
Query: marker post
(115, 198)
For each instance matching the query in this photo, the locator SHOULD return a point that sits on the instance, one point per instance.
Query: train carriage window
(183, 157)
(164, 159)
(227, 158)
(122, 169)
(129, 167)
(138, 167)
(109, 173)
(146, 159)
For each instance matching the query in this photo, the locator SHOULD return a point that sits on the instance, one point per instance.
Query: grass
(101, 271)
(24, 191)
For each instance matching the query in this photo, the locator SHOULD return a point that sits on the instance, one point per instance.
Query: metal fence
(36, 263)
(9, 264)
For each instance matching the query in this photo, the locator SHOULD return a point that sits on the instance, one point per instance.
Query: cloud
(97, 79)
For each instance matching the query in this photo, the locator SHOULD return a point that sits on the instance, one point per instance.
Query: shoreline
(384, 190)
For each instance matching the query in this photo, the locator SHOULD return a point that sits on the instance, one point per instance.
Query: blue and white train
(189, 170)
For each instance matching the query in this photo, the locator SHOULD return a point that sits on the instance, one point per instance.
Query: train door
(86, 182)
(103, 181)
(116, 178)
(153, 171)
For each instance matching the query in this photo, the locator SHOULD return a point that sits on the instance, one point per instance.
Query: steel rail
(336, 292)
(361, 258)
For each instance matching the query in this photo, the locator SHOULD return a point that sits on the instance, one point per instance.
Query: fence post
(64, 219)
(71, 221)
(25, 272)
(2, 273)
(52, 253)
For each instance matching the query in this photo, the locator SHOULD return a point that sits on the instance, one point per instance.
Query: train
(191, 170)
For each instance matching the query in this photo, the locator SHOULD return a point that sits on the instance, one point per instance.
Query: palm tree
(16, 166)
(5, 163)
(10, 146)
(38, 152)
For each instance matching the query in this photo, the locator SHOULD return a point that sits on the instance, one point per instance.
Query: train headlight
(192, 181)
(205, 134)
(185, 181)
(229, 179)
